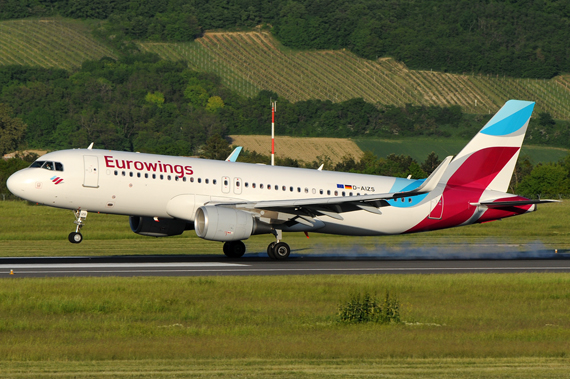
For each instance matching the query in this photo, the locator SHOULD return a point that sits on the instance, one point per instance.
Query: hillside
(251, 61)
(248, 62)
(49, 43)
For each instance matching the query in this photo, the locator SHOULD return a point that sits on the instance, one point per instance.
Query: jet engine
(164, 227)
(227, 224)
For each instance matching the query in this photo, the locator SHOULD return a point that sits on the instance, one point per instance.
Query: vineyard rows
(48, 43)
(250, 61)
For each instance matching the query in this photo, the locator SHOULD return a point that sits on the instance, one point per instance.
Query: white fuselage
(137, 184)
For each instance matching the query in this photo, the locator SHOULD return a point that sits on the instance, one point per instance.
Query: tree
(545, 180)
(216, 148)
(214, 104)
(11, 130)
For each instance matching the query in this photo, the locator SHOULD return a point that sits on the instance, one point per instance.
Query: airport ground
(455, 326)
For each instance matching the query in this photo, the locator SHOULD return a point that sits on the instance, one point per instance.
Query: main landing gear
(76, 237)
(278, 250)
(234, 249)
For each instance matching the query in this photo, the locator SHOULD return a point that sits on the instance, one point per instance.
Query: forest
(525, 39)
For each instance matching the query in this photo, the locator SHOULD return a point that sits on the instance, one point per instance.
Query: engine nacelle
(226, 224)
(164, 227)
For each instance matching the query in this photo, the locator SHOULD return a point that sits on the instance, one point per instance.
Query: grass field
(420, 147)
(23, 225)
(456, 326)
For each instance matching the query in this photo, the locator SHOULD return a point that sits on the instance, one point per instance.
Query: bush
(366, 308)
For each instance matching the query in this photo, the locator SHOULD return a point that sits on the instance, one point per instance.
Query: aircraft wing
(303, 210)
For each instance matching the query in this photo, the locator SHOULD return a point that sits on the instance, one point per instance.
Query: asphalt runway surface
(258, 264)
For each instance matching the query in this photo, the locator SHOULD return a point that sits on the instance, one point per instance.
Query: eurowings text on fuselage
(230, 201)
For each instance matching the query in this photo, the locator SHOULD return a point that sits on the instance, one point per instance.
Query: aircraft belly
(361, 223)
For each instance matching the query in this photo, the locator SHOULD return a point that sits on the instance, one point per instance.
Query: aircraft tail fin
(487, 162)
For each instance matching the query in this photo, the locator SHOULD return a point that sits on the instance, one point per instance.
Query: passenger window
(225, 183)
(276, 188)
(306, 190)
(138, 174)
(328, 192)
(161, 177)
(252, 185)
(168, 177)
(192, 180)
(284, 188)
(321, 192)
(261, 186)
(184, 179)
(336, 193)
(298, 189)
(291, 189)
(116, 172)
(207, 181)
(269, 186)
(214, 181)
(124, 173)
(246, 184)
(343, 193)
(154, 176)
(199, 180)
(131, 174)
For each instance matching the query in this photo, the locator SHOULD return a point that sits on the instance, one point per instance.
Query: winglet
(90, 146)
(234, 155)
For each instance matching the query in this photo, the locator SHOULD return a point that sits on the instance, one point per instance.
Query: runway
(201, 265)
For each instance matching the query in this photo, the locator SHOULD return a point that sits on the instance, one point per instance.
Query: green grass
(23, 225)
(282, 317)
(519, 368)
(420, 147)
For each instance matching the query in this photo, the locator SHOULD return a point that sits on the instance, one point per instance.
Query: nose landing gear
(76, 237)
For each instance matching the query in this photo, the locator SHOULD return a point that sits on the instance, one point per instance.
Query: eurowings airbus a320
(230, 201)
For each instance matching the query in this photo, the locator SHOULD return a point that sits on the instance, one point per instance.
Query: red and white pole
(273, 109)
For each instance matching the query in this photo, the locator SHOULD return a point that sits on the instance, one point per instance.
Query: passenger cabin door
(91, 178)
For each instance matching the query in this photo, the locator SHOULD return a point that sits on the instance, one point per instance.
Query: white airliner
(230, 201)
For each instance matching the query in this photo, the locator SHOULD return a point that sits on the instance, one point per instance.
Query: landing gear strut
(234, 249)
(278, 250)
(76, 237)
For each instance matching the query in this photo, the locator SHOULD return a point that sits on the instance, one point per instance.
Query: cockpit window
(37, 164)
(52, 166)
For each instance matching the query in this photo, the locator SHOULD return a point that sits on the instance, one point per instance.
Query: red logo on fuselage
(123, 164)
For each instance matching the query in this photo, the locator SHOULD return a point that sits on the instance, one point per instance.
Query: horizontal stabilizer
(514, 203)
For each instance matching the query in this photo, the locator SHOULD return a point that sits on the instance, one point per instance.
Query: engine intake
(164, 227)
(227, 224)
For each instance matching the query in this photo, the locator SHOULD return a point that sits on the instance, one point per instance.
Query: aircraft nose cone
(15, 183)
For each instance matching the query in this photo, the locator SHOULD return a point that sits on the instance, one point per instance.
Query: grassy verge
(22, 226)
(283, 317)
(520, 368)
